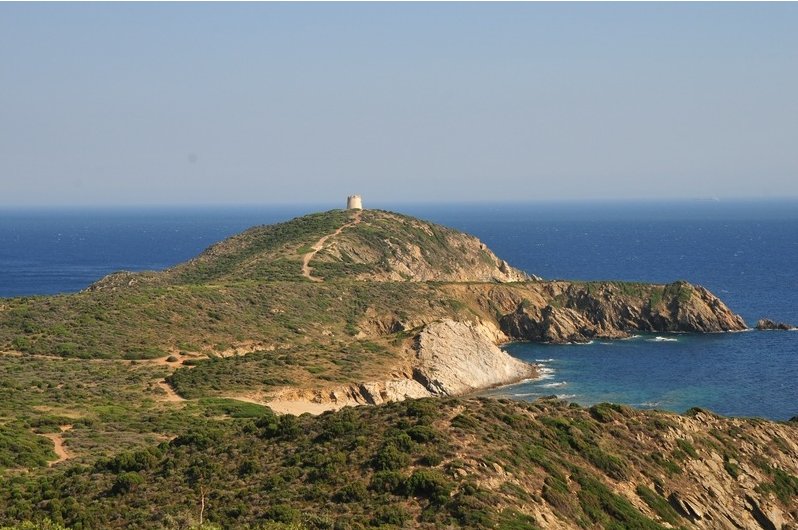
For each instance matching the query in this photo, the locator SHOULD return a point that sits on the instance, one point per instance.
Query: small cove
(735, 374)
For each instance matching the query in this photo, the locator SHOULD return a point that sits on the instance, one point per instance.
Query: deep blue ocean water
(745, 252)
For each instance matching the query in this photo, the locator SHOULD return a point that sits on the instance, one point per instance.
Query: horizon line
(379, 204)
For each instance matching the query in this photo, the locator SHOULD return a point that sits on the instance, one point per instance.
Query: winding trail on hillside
(171, 395)
(318, 245)
(58, 445)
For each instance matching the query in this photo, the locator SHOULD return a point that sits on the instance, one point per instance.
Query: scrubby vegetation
(476, 463)
(249, 288)
(138, 377)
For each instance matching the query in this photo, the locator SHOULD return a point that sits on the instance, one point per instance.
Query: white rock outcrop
(460, 357)
(451, 358)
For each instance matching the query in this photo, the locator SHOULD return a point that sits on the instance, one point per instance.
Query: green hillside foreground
(432, 463)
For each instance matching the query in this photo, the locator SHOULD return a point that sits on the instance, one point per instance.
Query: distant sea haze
(745, 252)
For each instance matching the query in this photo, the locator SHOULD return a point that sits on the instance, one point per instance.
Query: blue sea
(745, 252)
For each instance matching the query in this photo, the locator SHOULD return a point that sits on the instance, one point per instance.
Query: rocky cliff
(454, 358)
(387, 246)
(578, 312)
(446, 358)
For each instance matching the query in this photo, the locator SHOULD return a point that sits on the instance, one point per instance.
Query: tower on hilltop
(354, 202)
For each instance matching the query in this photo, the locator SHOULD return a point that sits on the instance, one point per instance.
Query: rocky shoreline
(766, 324)
(451, 358)
(455, 357)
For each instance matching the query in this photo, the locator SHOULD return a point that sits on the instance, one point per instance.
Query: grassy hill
(437, 464)
(155, 383)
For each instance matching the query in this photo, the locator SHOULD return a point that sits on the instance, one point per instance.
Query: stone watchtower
(354, 202)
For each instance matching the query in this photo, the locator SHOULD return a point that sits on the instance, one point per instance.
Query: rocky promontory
(579, 312)
(347, 307)
(223, 355)
(767, 324)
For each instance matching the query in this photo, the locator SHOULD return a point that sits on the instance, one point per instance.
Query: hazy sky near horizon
(198, 103)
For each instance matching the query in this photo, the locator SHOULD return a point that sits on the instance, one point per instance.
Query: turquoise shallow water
(745, 252)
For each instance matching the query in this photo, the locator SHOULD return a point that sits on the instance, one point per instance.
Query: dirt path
(318, 245)
(171, 395)
(58, 443)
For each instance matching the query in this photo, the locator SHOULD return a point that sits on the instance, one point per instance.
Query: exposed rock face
(458, 357)
(730, 495)
(451, 358)
(767, 324)
(579, 313)
(408, 249)
(293, 401)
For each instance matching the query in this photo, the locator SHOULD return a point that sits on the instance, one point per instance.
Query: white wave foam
(566, 396)
(544, 360)
(528, 394)
(555, 385)
(662, 339)
(546, 373)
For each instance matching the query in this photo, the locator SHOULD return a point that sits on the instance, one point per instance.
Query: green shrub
(422, 433)
(390, 458)
(556, 493)
(731, 468)
(352, 492)
(387, 481)
(126, 482)
(687, 447)
(282, 513)
(390, 515)
(608, 509)
(45, 524)
(429, 484)
(784, 485)
(657, 503)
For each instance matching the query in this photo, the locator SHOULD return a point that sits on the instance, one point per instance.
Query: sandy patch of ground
(171, 395)
(295, 407)
(300, 406)
(58, 443)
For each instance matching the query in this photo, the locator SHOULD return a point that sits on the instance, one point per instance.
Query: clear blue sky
(148, 103)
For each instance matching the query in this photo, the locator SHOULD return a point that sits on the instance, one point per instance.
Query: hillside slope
(333, 307)
(350, 308)
(368, 245)
(473, 464)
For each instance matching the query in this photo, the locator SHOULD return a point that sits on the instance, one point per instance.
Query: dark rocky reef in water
(767, 324)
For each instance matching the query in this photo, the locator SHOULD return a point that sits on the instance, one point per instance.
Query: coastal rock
(450, 358)
(767, 324)
(393, 390)
(574, 312)
(457, 357)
